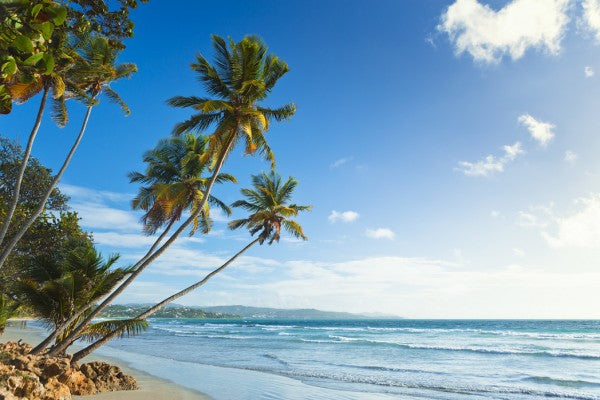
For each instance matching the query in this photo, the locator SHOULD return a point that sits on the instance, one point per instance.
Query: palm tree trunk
(155, 244)
(17, 190)
(89, 349)
(60, 329)
(62, 346)
(15, 239)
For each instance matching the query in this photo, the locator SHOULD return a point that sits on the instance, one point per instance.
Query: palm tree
(57, 290)
(269, 204)
(243, 76)
(94, 71)
(173, 182)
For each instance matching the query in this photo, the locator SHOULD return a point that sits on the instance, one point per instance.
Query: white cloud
(123, 240)
(409, 287)
(344, 216)
(99, 216)
(488, 35)
(217, 215)
(83, 193)
(491, 164)
(542, 132)
(380, 233)
(495, 214)
(535, 216)
(570, 156)
(485, 167)
(588, 71)
(511, 152)
(120, 240)
(581, 228)
(518, 252)
(340, 162)
(591, 16)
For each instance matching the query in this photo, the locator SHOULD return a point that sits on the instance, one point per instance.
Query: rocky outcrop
(28, 377)
(108, 377)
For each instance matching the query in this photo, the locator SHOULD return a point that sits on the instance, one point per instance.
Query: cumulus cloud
(588, 71)
(343, 216)
(591, 17)
(580, 228)
(340, 162)
(491, 164)
(380, 233)
(488, 35)
(570, 156)
(540, 131)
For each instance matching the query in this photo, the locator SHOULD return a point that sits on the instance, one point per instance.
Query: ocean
(235, 359)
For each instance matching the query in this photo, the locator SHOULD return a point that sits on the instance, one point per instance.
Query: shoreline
(151, 387)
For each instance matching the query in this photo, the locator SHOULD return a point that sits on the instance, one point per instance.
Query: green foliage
(110, 19)
(175, 311)
(54, 290)
(126, 327)
(95, 69)
(8, 309)
(55, 233)
(270, 208)
(175, 181)
(39, 45)
(243, 75)
(32, 40)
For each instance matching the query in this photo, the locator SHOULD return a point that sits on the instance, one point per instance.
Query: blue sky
(449, 149)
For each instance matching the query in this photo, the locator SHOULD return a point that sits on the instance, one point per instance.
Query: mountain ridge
(240, 311)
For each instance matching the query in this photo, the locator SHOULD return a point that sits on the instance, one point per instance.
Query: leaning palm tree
(93, 73)
(174, 182)
(243, 76)
(271, 210)
(55, 290)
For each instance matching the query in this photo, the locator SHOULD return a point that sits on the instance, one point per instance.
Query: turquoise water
(376, 359)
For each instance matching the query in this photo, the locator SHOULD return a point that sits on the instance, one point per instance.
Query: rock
(39, 377)
(53, 368)
(25, 363)
(77, 382)
(56, 390)
(108, 377)
(6, 395)
(24, 385)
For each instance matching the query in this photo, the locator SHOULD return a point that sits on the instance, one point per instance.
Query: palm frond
(279, 114)
(115, 98)
(186, 101)
(125, 327)
(59, 112)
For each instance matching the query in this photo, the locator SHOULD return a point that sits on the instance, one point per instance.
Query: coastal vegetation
(174, 311)
(59, 51)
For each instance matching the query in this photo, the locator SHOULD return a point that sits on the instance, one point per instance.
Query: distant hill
(236, 311)
(278, 313)
(172, 311)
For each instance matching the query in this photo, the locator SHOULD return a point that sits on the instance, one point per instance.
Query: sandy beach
(151, 387)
